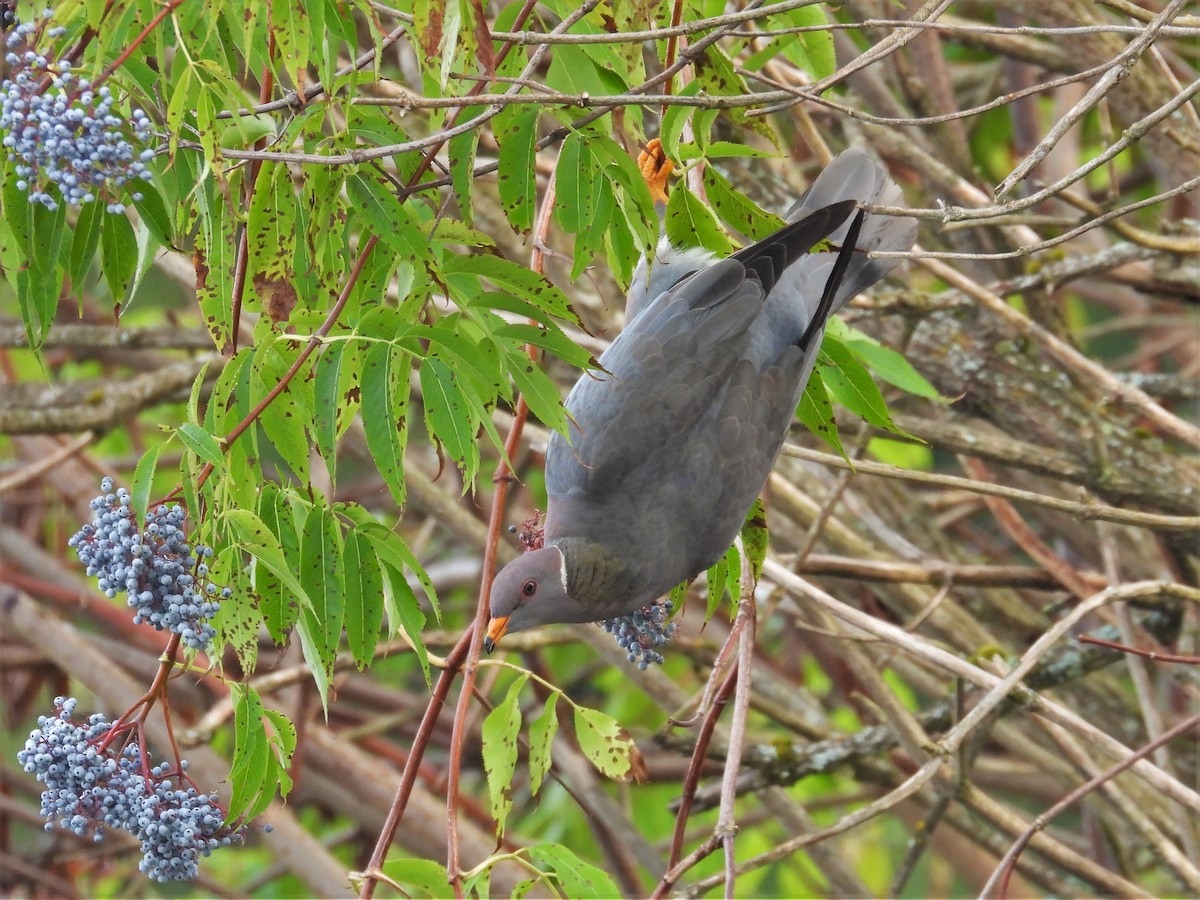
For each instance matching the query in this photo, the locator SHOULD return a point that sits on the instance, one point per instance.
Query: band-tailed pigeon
(672, 441)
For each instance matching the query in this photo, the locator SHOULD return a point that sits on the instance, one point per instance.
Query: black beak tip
(488, 644)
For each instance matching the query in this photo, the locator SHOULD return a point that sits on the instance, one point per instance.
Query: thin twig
(997, 884)
(999, 689)
(1119, 69)
(1084, 511)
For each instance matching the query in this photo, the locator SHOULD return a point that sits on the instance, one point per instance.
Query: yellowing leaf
(604, 742)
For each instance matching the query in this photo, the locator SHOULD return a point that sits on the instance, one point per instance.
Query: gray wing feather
(659, 379)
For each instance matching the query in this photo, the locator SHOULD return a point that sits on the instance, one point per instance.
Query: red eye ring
(529, 588)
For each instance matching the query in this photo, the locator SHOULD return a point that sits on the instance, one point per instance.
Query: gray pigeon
(672, 441)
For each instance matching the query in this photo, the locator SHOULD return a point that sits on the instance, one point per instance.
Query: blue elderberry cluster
(90, 788)
(60, 130)
(164, 577)
(641, 631)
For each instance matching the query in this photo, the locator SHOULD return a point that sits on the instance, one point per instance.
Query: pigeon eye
(529, 588)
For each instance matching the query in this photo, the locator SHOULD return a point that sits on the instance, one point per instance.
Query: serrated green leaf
(449, 418)
(292, 29)
(256, 539)
(280, 610)
(674, 120)
(717, 76)
(541, 739)
(476, 360)
(251, 755)
(118, 255)
(213, 260)
(604, 742)
(271, 230)
(572, 71)
(385, 413)
(816, 412)
(574, 185)
(260, 758)
(689, 223)
(143, 480)
(591, 241)
(851, 385)
(755, 537)
(576, 879)
(329, 403)
(152, 212)
(390, 220)
(83, 244)
(456, 231)
(539, 391)
(885, 362)
(18, 217)
(724, 576)
(322, 574)
(630, 192)
(461, 151)
(364, 598)
(812, 51)
(499, 750)
(723, 150)
(548, 337)
(516, 132)
(238, 619)
(200, 442)
(285, 418)
(584, 204)
(419, 875)
(393, 551)
(521, 281)
(283, 741)
(404, 612)
(737, 210)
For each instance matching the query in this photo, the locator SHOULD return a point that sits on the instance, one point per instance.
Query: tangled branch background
(988, 614)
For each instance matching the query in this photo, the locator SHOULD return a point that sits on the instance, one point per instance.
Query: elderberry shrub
(164, 577)
(641, 631)
(90, 786)
(62, 131)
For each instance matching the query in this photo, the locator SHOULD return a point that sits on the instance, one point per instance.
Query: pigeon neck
(597, 578)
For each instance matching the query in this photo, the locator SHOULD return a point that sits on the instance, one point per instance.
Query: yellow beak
(497, 628)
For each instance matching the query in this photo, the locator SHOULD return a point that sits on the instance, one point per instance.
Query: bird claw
(656, 169)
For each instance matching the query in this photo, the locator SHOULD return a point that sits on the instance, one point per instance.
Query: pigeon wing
(657, 380)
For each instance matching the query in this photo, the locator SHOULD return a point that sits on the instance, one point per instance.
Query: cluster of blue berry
(90, 787)
(643, 630)
(62, 131)
(154, 567)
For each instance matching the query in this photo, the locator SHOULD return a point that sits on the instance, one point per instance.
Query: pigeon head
(529, 591)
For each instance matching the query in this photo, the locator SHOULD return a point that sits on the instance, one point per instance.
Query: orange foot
(655, 168)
